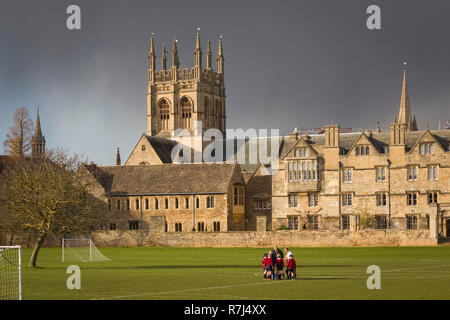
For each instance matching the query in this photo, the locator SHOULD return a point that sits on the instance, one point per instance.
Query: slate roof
(164, 179)
(163, 146)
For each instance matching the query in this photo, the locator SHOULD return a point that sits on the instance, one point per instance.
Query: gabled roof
(165, 178)
(162, 146)
(427, 132)
(369, 138)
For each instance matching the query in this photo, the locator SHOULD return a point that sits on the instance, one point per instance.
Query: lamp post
(339, 195)
(389, 192)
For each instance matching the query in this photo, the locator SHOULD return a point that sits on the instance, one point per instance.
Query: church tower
(177, 97)
(37, 140)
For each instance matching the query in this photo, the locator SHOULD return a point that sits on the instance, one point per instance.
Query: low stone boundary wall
(304, 238)
(265, 239)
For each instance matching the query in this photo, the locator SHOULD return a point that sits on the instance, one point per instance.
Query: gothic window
(238, 195)
(186, 112)
(164, 114)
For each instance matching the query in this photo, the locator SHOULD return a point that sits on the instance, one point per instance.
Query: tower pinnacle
(220, 58)
(404, 114)
(198, 50)
(209, 57)
(164, 58)
(175, 61)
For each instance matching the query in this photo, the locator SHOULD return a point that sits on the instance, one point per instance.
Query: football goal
(81, 250)
(10, 273)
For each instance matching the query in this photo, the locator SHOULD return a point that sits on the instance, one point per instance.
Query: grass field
(236, 273)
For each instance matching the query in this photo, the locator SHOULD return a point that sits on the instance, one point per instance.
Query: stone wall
(303, 238)
(266, 239)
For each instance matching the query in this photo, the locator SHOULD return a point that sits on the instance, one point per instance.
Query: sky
(288, 64)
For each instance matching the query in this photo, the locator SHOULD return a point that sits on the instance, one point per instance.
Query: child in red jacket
(268, 267)
(291, 268)
(280, 266)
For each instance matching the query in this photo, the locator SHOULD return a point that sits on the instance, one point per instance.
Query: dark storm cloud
(288, 64)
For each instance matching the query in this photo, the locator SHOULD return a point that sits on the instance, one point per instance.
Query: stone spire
(414, 124)
(151, 55)
(164, 58)
(37, 129)
(404, 114)
(209, 57)
(118, 161)
(175, 61)
(220, 58)
(37, 140)
(198, 50)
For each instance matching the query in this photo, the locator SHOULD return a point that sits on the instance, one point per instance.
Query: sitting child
(280, 266)
(291, 268)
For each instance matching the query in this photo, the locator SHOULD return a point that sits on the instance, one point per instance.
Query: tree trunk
(29, 239)
(11, 238)
(37, 247)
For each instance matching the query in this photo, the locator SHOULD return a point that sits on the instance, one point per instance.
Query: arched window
(164, 114)
(186, 112)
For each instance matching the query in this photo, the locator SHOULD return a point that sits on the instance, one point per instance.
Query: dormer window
(301, 152)
(426, 148)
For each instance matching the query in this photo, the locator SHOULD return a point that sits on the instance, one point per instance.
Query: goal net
(81, 250)
(10, 273)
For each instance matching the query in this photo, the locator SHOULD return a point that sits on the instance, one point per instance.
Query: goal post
(81, 250)
(10, 273)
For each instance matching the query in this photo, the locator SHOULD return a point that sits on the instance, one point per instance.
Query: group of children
(273, 265)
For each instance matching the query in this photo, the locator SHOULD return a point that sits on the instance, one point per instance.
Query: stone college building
(330, 180)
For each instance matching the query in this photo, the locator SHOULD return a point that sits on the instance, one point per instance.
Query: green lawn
(236, 273)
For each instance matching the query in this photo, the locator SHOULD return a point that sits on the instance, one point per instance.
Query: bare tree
(47, 197)
(18, 138)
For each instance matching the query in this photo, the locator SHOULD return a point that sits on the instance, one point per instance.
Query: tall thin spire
(220, 58)
(198, 50)
(209, 57)
(164, 58)
(37, 129)
(151, 55)
(118, 160)
(404, 114)
(175, 61)
(37, 140)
